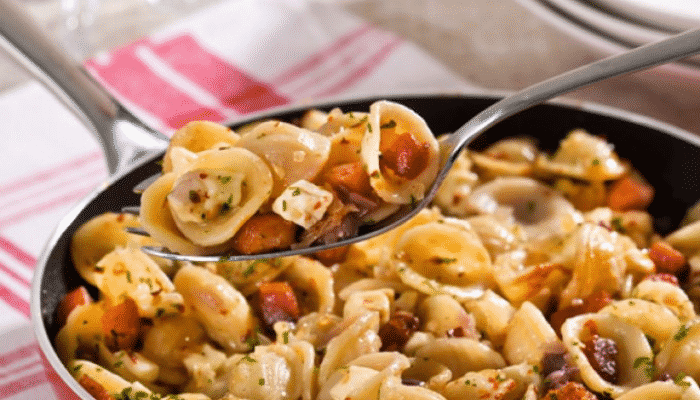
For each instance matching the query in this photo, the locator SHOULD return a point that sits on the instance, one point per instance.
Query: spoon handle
(676, 47)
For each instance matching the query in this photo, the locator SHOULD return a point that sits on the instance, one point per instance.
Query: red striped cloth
(222, 63)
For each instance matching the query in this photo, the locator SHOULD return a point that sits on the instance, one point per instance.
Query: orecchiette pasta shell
(520, 281)
(360, 337)
(316, 281)
(198, 136)
(130, 272)
(390, 188)
(344, 381)
(680, 354)
(99, 236)
(205, 370)
(156, 219)
(441, 315)
(443, 257)
(111, 382)
(491, 313)
(583, 156)
(224, 312)
(686, 239)
(345, 132)
(655, 320)
(498, 236)
(488, 384)
(169, 340)
(293, 153)
(453, 194)
(490, 168)
(82, 331)
(379, 300)
(461, 355)
(666, 294)
(236, 183)
(132, 366)
(631, 343)
(435, 375)
(538, 209)
(666, 390)
(601, 260)
(528, 335)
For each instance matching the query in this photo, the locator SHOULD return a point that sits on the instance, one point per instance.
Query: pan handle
(124, 138)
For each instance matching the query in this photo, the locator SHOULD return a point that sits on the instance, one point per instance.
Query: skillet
(667, 156)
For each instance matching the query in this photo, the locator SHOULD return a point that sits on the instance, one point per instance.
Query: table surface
(494, 44)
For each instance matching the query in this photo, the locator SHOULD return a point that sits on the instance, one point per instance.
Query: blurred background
(494, 44)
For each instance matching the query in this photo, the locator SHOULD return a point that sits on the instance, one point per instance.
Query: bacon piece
(666, 258)
(70, 301)
(590, 304)
(629, 193)
(405, 156)
(395, 333)
(94, 388)
(121, 325)
(351, 177)
(276, 301)
(264, 232)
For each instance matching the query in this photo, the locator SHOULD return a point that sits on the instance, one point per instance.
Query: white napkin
(228, 60)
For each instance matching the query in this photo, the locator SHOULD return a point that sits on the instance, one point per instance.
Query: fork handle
(676, 47)
(112, 124)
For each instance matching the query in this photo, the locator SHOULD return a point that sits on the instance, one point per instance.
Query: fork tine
(141, 186)
(137, 231)
(134, 210)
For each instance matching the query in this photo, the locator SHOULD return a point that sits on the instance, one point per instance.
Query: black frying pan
(667, 156)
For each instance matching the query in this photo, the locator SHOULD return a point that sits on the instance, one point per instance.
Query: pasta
(221, 192)
(525, 280)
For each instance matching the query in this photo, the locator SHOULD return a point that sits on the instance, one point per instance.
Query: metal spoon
(127, 141)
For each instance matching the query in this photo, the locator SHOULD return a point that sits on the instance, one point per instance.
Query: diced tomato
(666, 258)
(73, 299)
(395, 333)
(94, 388)
(350, 176)
(332, 256)
(629, 193)
(277, 302)
(264, 232)
(405, 156)
(592, 303)
(121, 325)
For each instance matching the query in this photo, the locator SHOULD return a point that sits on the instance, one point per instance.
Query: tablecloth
(226, 61)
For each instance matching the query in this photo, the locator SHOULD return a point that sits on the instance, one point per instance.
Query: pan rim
(38, 327)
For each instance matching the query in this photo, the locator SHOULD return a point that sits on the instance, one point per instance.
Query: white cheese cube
(302, 203)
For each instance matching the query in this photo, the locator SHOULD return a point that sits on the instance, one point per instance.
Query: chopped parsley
(681, 334)
(194, 196)
(226, 206)
(261, 381)
(389, 125)
(616, 224)
(224, 179)
(248, 359)
(296, 191)
(647, 363)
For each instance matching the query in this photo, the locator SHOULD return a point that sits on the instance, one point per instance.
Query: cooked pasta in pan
(533, 276)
